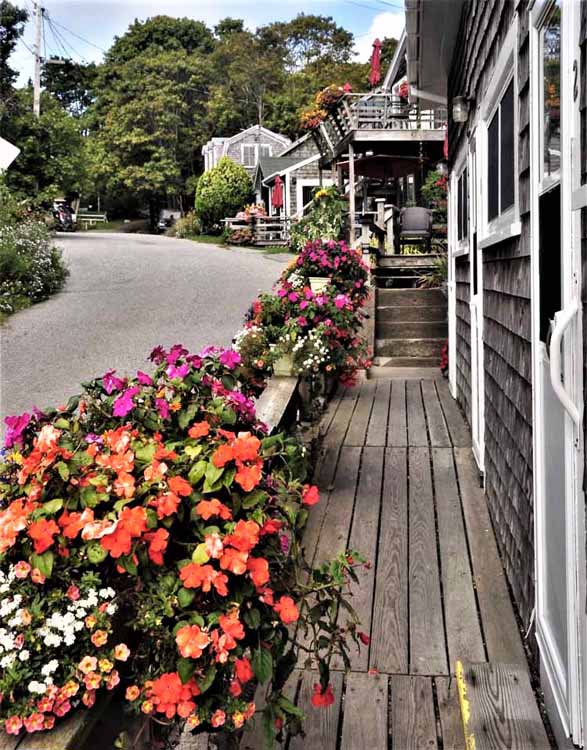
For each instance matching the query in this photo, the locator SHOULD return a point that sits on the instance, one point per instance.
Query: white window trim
(310, 182)
(507, 224)
(460, 247)
(256, 157)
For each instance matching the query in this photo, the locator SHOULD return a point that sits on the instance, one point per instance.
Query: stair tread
(499, 707)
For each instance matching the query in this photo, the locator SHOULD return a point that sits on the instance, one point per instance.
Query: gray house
(297, 166)
(245, 148)
(513, 75)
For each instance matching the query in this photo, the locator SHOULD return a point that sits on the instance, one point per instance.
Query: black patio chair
(415, 227)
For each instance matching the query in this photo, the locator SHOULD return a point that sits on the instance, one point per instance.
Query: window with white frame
(249, 152)
(265, 149)
(499, 125)
(462, 199)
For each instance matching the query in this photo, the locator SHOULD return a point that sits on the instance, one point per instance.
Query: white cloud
(386, 24)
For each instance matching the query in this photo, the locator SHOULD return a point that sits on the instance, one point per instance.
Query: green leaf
(199, 555)
(268, 728)
(128, 564)
(185, 669)
(254, 498)
(73, 403)
(185, 597)
(146, 453)
(44, 562)
(289, 708)
(96, 553)
(62, 423)
(228, 477)
(52, 506)
(63, 470)
(252, 618)
(89, 497)
(193, 451)
(197, 472)
(262, 663)
(213, 473)
(209, 678)
(187, 415)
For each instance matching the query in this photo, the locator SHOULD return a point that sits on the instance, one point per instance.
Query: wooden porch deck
(398, 483)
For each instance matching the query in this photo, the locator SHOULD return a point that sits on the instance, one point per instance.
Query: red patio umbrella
(277, 193)
(375, 72)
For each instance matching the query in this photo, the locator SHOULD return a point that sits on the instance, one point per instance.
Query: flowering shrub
(31, 267)
(186, 227)
(325, 220)
(329, 97)
(312, 117)
(252, 211)
(161, 497)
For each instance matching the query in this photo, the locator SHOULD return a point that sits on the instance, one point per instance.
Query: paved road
(126, 294)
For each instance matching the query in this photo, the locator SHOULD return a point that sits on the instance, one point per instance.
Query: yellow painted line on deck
(465, 706)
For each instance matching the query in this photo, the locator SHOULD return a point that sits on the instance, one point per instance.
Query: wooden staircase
(410, 327)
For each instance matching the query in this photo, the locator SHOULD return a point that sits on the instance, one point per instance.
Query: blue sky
(99, 21)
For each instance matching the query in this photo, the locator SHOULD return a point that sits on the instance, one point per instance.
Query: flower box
(283, 367)
(319, 283)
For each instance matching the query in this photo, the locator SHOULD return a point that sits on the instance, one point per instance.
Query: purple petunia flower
(124, 403)
(16, 425)
(91, 437)
(230, 359)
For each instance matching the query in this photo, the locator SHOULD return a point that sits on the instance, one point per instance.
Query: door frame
(569, 699)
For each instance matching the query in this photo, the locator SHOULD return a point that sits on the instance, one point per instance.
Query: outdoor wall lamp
(460, 108)
(442, 168)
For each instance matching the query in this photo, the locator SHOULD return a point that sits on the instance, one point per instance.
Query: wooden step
(498, 708)
(413, 347)
(411, 297)
(387, 329)
(413, 261)
(400, 281)
(410, 363)
(409, 313)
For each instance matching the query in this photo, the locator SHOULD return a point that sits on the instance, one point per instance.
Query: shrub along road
(126, 294)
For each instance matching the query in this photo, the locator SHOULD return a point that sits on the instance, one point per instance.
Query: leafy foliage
(325, 219)
(12, 21)
(221, 192)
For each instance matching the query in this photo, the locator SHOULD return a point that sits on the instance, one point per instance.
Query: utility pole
(37, 76)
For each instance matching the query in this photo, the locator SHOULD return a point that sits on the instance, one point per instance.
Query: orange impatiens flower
(234, 560)
(246, 447)
(13, 520)
(194, 576)
(131, 524)
(72, 523)
(310, 495)
(244, 537)
(287, 610)
(243, 669)
(124, 485)
(231, 625)
(222, 455)
(249, 476)
(158, 541)
(258, 569)
(208, 508)
(170, 696)
(166, 504)
(199, 429)
(222, 644)
(42, 533)
(155, 471)
(322, 699)
(180, 486)
(191, 641)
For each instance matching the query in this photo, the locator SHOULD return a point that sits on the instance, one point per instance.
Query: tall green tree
(12, 23)
(71, 83)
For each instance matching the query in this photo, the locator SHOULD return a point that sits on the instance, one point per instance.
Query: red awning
(375, 72)
(277, 193)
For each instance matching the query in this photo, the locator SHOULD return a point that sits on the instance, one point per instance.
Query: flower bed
(150, 532)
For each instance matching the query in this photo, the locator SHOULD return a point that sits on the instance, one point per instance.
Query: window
(463, 205)
(265, 150)
(551, 74)
(249, 151)
(501, 156)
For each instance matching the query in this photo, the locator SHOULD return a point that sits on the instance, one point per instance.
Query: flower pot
(283, 367)
(319, 283)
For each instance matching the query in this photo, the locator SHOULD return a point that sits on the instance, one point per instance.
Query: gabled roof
(273, 165)
(295, 144)
(258, 129)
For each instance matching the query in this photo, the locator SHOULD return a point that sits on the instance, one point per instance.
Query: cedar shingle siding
(583, 116)
(506, 306)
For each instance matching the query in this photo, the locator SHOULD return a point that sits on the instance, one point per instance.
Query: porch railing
(264, 230)
(364, 112)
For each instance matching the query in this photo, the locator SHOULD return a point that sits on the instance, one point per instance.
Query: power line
(81, 38)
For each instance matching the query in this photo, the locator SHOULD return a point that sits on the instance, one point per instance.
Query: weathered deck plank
(360, 420)
(437, 429)
(363, 538)
(413, 723)
(321, 724)
(417, 434)
(340, 423)
(427, 640)
(502, 711)
(453, 737)
(459, 431)
(397, 429)
(389, 632)
(500, 629)
(364, 722)
(463, 630)
(377, 431)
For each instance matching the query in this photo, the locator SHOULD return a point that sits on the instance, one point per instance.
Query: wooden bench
(88, 220)
(276, 401)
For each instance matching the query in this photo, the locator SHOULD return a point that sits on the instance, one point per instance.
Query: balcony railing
(375, 112)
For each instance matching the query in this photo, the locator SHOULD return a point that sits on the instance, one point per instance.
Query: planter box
(283, 367)
(319, 283)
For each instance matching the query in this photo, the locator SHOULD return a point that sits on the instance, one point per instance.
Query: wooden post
(389, 219)
(288, 194)
(380, 221)
(351, 194)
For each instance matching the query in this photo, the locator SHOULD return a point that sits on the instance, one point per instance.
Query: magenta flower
(162, 408)
(178, 372)
(208, 351)
(229, 358)
(284, 543)
(111, 382)
(293, 296)
(176, 351)
(308, 293)
(158, 355)
(341, 301)
(282, 292)
(124, 403)
(303, 304)
(16, 425)
(144, 379)
(195, 361)
(302, 321)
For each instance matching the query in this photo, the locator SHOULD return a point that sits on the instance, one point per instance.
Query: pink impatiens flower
(162, 408)
(111, 382)
(178, 372)
(124, 404)
(230, 359)
(144, 379)
(15, 427)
